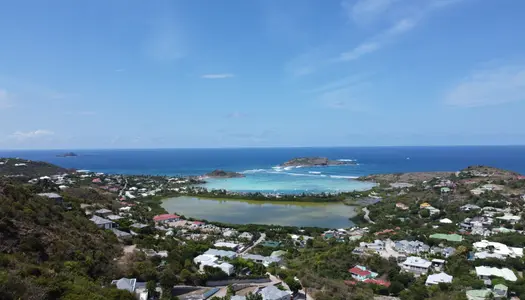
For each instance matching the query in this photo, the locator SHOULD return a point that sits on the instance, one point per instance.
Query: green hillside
(49, 253)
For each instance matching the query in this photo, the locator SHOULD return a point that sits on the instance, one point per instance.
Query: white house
(230, 245)
(445, 221)
(486, 249)
(488, 272)
(438, 278)
(246, 236)
(131, 285)
(416, 265)
(213, 261)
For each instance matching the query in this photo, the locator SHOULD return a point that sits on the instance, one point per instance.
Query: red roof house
(166, 218)
(359, 272)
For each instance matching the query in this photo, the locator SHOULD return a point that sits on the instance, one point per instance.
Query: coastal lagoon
(302, 214)
(296, 182)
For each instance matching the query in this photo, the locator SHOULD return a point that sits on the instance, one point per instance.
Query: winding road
(367, 215)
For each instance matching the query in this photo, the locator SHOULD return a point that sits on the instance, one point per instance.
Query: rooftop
(99, 221)
(165, 217)
(448, 237)
(50, 195)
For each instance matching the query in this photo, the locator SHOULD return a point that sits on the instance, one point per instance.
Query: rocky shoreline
(224, 174)
(315, 162)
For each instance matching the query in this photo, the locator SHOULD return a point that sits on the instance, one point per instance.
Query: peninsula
(224, 174)
(315, 162)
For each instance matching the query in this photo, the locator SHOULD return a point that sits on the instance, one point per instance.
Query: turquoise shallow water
(326, 215)
(286, 183)
(259, 163)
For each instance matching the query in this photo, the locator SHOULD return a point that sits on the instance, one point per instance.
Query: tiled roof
(358, 271)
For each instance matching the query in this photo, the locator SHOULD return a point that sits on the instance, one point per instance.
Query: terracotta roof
(165, 217)
(358, 271)
(378, 282)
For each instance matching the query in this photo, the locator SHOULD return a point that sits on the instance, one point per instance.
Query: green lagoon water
(328, 215)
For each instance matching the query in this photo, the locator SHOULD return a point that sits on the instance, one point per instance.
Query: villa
(377, 245)
(165, 218)
(416, 265)
(510, 218)
(246, 236)
(131, 285)
(229, 245)
(209, 260)
(101, 222)
(488, 272)
(488, 249)
(265, 260)
(54, 196)
(221, 253)
(271, 292)
(411, 247)
(438, 278)
(360, 273)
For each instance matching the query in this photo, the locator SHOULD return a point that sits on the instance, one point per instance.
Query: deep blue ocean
(259, 164)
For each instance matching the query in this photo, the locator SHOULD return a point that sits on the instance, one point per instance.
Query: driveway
(260, 240)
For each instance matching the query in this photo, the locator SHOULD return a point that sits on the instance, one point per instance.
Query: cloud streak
(217, 76)
(402, 25)
(366, 11)
(402, 17)
(489, 86)
(24, 135)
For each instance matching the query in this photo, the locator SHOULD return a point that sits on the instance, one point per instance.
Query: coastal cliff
(315, 162)
(224, 174)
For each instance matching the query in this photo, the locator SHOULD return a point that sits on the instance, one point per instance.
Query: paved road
(260, 240)
(123, 189)
(367, 215)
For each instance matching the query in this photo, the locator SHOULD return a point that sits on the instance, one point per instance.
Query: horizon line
(263, 147)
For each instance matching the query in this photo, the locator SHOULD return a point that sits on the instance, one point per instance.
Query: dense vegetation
(28, 168)
(47, 252)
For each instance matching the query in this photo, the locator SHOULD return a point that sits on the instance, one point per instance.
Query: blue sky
(261, 73)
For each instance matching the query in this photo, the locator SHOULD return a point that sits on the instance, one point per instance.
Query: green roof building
(271, 244)
(448, 237)
(478, 294)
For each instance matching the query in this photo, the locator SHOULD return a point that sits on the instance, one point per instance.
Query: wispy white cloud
(5, 99)
(307, 62)
(400, 17)
(366, 11)
(218, 76)
(349, 81)
(24, 135)
(402, 25)
(490, 86)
